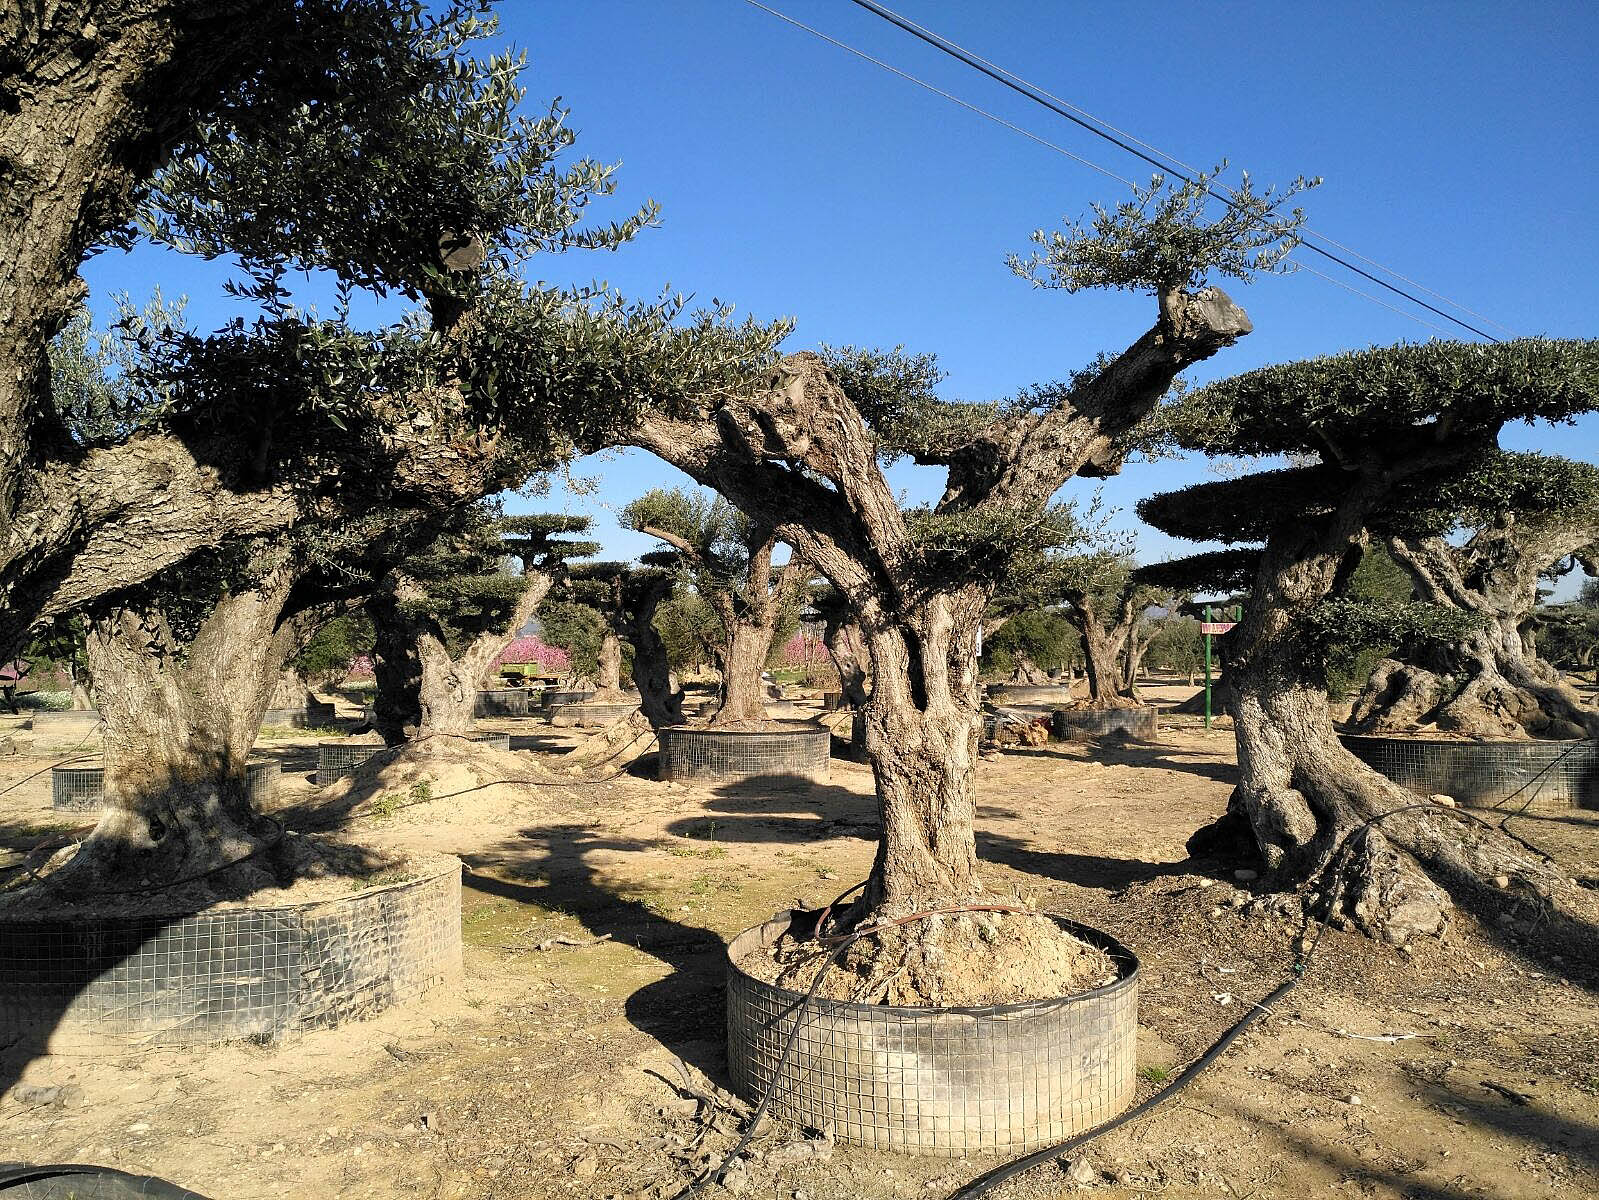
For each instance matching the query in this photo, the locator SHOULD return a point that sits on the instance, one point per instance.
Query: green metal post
(1207, 681)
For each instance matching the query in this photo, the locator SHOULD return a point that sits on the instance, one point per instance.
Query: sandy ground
(547, 1070)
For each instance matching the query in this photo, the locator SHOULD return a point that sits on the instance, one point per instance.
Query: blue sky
(796, 180)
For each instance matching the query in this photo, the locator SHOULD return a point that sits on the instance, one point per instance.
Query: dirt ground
(1464, 1069)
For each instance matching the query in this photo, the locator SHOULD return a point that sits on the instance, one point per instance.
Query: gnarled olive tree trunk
(1382, 858)
(1102, 646)
(180, 720)
(659, 701)
(1490, 683)
(749, 616)
(426, 686)
(921, 726)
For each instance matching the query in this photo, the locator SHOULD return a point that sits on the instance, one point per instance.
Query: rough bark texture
(797, 458)
(848, 651)
(1381, 859)
(180, 719)
(1102, 644)
(660, 701)
(1490, 684)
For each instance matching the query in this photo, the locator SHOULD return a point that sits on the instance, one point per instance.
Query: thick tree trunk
(848, 651)
(921, 724)
(1099, 653)
(608, 669)
(742, 662)
(417, 672)
(1379, 857)
(1490, 684)
(180, 721)
(660, 701)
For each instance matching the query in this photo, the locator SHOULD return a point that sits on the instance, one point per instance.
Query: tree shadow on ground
(1085, 870)
(783, 808)
(1112, 752)
(684, 1010)
(1534, 1127)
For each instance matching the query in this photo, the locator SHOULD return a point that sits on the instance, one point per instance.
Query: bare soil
(963, 960)
(595, 920)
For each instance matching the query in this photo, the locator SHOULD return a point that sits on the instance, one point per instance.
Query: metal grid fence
(82, 789)
(335, 760)
(1545, 776)
(588, 716)
(286, 718)
(228, 974)
(1089, 724)
(502, 702)
(569, 697)
(951, 1081)
(694, 752)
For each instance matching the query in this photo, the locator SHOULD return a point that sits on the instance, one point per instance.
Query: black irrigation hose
(21, 1175)
(987, 1183)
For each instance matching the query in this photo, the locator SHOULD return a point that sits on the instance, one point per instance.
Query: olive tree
(1481, 544)
(803, 454)
(728, 558)
(1384, 433)
(444, 613)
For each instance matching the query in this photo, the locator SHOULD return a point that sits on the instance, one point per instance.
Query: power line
(1132, 146)
(1167, 155)
(937, 91)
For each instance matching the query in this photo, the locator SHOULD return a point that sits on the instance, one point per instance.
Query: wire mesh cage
(335, 760)
(1547, 776)
(696, 752)
(949, 1081)
(588, 715)
(286, 718)
(502, 702)
(1090, 724)
(496, 741)
(229, 973)
(553, 696)
(82, 789)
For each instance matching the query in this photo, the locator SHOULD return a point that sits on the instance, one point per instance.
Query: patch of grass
(1155, 1073)
(709, 884)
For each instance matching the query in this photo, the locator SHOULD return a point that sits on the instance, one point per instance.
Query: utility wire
(937, 91)
(1125, 142)
(1168, 156)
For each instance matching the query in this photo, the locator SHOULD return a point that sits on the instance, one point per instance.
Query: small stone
(1217, 911)
(1245, 875)
(139, 1127)
(1446, 801)
(1354, 1100)
(1205, 883)
(585, 1167)
(1501, 882)
(735, 1178)
(68, 1095)
(1081, 1170)
(430, 1122)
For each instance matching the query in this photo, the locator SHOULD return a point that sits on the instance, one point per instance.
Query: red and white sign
(1216, 626)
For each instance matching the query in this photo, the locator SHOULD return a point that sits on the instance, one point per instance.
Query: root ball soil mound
(964, 960)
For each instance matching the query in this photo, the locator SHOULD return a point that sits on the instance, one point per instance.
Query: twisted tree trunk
(1491, 683)
(426, 687)
(660, 702)
(1379, 857)
(180, 720)
(749, 617)
(921, 725)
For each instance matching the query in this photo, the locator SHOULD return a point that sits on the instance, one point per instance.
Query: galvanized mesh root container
(1090, 724)
(568, 697)
(589, 715)
(1547, 776)
(286, 718)
(943, 1081)
(696, 752)
(502, 702)
(82, 789)
(228, 973)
